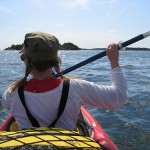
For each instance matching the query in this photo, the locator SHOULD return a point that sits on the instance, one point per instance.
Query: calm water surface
(129, 126)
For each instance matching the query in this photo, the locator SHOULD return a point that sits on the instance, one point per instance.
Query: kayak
(88, 135)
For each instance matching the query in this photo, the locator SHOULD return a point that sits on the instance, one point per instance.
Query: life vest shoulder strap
(63, 101)
(33, 121)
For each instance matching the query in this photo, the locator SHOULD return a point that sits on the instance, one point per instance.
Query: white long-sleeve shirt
(44, 106)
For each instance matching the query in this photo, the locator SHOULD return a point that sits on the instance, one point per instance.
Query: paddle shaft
(102, 54)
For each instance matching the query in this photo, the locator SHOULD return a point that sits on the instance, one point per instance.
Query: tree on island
(15, 47)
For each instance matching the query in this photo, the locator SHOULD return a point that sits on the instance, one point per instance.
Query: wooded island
(65, 46)
(71, 46)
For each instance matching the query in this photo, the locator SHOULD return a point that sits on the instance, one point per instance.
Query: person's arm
(6, 100)
(102, 96)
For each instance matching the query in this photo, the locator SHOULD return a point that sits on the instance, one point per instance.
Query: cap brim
(21, 51)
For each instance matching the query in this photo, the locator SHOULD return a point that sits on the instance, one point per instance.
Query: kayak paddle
(102, 54)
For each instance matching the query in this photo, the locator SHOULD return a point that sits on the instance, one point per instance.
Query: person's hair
(39, 65)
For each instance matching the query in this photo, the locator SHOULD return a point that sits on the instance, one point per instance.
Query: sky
(85, 23)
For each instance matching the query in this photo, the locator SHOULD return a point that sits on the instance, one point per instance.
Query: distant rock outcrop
(69, 46)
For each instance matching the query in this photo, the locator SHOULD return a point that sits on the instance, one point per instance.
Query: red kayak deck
(98, 134)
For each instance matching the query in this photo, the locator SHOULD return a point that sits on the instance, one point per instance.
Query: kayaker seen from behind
(38, 101)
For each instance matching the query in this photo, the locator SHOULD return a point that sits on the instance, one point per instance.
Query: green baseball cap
(40, 46)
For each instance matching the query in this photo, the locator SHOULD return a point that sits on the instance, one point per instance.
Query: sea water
(129, 126)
